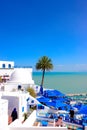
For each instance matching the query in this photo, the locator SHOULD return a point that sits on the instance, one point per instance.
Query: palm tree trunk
(42, 78)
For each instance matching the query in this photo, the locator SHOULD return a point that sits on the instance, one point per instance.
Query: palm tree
(44, 63)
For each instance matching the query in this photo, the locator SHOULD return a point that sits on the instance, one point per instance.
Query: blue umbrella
(60, 99)
(83, 109)
(56, 104)
(78, 106)
(43, 99)
(52, 93)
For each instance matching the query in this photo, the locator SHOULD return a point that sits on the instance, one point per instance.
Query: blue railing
(22, 66)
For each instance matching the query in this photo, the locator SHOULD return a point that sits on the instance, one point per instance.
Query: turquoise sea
(66, 82)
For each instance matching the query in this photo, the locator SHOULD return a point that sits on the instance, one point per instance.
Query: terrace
(39, 122)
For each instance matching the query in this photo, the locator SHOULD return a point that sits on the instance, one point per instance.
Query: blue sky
(30, 29)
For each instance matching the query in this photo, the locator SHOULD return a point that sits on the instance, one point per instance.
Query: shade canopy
(53, 93)
(83, 109)
(56, 105)
(78, 106)
(43, 99)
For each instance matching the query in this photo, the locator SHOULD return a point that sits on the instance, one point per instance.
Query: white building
(17, 76)
(6, 69)
(20, 77)
(16, 100)
(6, 64)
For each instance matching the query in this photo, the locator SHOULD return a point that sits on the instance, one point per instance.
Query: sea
(66, 82)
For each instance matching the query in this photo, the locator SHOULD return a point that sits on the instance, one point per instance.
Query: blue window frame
(32, 101)
(9, 65)
(19, 87)
(3, 65)
(28, 99)
(22, 109)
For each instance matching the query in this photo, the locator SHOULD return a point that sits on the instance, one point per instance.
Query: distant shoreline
(58, 73)
(76, 94)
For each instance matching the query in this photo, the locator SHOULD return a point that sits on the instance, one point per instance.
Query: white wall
(31, 119)
(6, 71)
(3, 113)
(38, 128)
(22, 75)
(13, 102)
(23, 104)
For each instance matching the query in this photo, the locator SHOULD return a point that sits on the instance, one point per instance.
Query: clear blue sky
(30, 29)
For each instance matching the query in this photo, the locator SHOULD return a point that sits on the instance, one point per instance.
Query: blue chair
(44, 123)
(79, 129)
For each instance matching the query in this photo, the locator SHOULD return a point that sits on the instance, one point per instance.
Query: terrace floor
(68, 125)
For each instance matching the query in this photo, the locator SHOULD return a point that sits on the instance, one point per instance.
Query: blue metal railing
(22, 66)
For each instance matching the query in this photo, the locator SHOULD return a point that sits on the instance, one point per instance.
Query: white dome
(22, 75)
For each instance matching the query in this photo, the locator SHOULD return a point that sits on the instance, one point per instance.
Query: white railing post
(54, 122)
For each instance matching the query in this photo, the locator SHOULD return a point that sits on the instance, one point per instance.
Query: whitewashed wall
(37, 128)
(3, 114)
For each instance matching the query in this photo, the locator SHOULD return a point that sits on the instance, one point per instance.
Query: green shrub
(25, 115)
